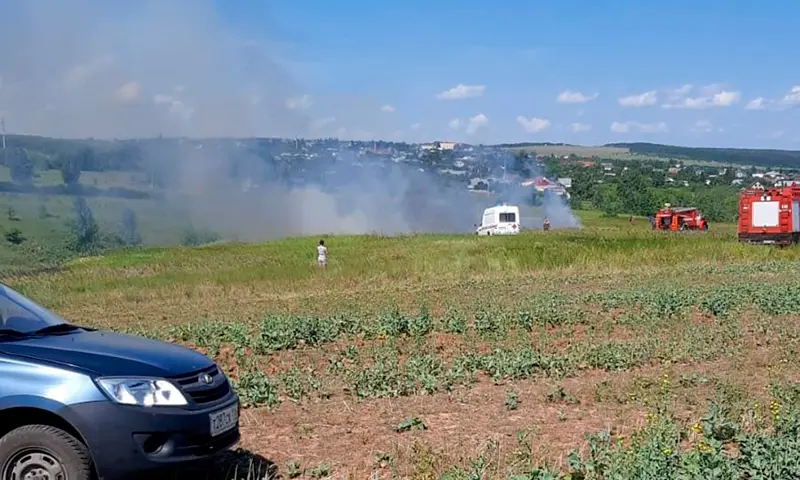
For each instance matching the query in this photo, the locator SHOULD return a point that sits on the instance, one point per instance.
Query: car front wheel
(43, 452)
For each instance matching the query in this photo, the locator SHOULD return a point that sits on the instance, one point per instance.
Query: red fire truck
(769, 215)
(679, 219)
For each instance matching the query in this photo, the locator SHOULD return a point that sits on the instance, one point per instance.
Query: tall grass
(417, 258)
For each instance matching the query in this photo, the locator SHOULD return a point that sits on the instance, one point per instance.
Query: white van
(499, 220)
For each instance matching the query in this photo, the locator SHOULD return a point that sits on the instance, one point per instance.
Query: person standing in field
(546, 224)
(322, 254)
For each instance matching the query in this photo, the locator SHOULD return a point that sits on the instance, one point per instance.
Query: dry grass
(579, 150)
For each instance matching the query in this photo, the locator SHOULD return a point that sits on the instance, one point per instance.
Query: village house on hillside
(542, 184)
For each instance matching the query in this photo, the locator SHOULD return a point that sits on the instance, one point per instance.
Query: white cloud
(704, 126)
(533, 124)
(415, 126)
(477, 122)
(682, 91)
(645, 99)
(709, 96)
(302, 102)
(129, 92)
(461, 91)
(637, 127)
(568, 96)
(387, 108)
(175, 106)
(578, 127)
(725, 98)
(470, 126)
(759, 103)
(792, 98)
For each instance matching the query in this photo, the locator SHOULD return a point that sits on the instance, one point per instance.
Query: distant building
(438, 146)
(541, 185)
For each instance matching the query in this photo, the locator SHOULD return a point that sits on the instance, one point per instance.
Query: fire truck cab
(769, 215)
(679, 219)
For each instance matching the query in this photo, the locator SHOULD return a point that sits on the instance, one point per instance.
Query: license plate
(224, 420)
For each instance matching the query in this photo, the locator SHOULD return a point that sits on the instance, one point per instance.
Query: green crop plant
(257, 389)
(421, 324)
(490, 323)
(512, 400)
(454, 322)
(393, 323)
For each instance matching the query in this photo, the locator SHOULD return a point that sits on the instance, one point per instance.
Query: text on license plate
(224, 420)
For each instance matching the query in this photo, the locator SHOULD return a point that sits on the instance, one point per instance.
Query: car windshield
(21, 314)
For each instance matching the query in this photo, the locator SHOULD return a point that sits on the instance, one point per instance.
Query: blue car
(78, 403)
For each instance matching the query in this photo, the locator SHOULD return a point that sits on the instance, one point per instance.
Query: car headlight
(145, 392)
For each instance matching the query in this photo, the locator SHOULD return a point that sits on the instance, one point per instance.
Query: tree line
(641, 188)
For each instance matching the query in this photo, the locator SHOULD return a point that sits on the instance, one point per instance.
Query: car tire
(45, 447)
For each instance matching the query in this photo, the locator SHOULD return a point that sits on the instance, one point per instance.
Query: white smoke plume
(113, 69)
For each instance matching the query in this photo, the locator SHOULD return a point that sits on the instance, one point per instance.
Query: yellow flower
(667, 451)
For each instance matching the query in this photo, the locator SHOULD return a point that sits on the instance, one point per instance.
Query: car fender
(63, 411)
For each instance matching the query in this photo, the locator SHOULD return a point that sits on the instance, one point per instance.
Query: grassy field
(464, 357)
(617, 153)
(579, 150)
(111, 179)
(44, 221)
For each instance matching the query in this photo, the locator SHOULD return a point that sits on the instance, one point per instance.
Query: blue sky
(706, 73)
(522, 55)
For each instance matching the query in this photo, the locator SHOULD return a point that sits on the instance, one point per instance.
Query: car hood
(110, 354)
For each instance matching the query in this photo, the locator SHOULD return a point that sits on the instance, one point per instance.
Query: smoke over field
(99, 69)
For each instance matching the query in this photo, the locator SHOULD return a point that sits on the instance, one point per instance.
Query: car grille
(202, 393)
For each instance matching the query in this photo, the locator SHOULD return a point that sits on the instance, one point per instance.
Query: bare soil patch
(358, 438)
